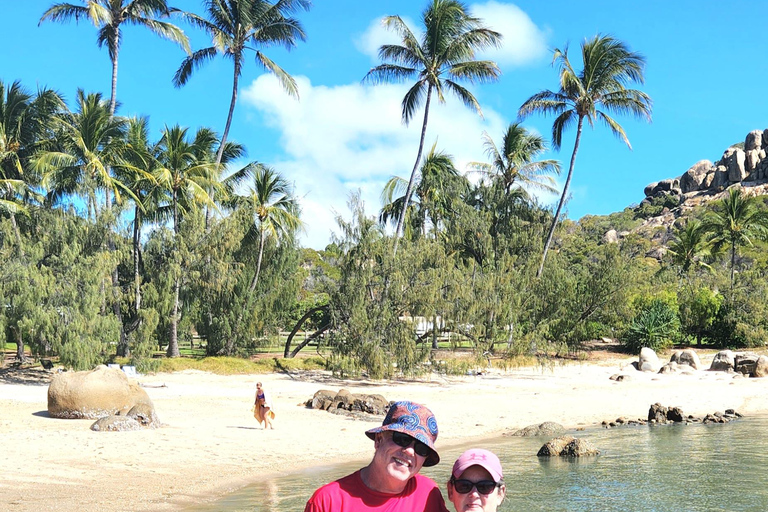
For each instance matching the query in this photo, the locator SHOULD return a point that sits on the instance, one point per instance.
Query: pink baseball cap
(479, 457)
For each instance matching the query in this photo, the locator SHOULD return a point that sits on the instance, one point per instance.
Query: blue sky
(706, 73)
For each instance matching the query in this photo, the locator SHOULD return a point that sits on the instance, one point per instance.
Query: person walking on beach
(262, 407)
(477, 482)
(403, 443)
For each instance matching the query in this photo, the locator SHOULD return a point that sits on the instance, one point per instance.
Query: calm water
(659, 468)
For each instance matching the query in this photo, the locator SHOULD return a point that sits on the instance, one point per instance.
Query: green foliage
(654, 206)
(698, 309)
(656, 326)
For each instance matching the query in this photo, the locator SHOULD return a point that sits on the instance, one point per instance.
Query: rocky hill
(705, 181)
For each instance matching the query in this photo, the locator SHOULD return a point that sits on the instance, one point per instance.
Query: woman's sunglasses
(464, 486)
(404, 441)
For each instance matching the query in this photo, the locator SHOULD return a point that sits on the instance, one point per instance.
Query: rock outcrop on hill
(737, 165)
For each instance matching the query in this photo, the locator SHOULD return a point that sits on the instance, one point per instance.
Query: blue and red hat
(414, 420)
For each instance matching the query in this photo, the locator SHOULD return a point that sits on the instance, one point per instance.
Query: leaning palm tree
(444, 55)
(109, 15)
(735, 222)
(186, 180)
(599, 89)
(514, 163)
(239, 25)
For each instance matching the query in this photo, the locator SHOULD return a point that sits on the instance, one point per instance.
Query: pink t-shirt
(350, 494)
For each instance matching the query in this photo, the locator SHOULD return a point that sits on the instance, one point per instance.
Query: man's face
(396, 463)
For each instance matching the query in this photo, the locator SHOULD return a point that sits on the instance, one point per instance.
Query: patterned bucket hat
(414, 420)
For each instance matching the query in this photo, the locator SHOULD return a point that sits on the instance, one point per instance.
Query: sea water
(694, 467)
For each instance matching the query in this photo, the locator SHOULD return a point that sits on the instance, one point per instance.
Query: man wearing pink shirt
(403, 444)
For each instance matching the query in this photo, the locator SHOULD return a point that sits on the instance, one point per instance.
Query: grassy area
(238, 366)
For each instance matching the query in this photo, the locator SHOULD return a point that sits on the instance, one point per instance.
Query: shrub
(656, 326)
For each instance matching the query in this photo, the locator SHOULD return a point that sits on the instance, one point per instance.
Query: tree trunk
(409, 188)
(296, 328)
(136, 256)
(113, 97)
(173, 341)
(562, 197)
(17, 235)
(19, 345)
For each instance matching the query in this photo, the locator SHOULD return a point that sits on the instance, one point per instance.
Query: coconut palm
(186, 180)
(691, 246)
(24, 128)
(599, 89)
(90, 141)
(109, 15)
(276, 214)
(444, 55)
(239, 25)
(514, 163)
(438, 184)
(735, 222)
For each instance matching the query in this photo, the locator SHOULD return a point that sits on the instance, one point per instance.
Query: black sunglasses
(464, 486)
(404, 441)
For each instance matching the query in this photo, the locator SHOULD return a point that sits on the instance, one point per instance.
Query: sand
(211, 444)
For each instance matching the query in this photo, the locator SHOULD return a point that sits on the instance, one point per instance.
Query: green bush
(656, 326)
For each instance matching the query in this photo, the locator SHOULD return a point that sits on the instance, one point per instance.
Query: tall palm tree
(691, 246)
(186, 180)
(515, 164)
(735, 222)
(599, 89)
(90, 141)
(438, 184)
(276, 214)
(444, 55)
(25, 122)
(239, 25)
(109, 15)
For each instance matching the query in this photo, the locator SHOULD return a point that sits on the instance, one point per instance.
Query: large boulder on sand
(687, 356)
(649, 361)
(723, 361)
(94, 394)
(547, 428)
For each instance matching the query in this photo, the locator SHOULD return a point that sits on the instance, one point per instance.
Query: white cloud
(337, 140)
(523, 41)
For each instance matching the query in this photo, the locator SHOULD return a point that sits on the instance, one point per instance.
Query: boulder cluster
(344, 402)
(737, 165)
(548, 428)
(659, 415)
(686, 362)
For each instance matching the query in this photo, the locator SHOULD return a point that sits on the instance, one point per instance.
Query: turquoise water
(644, 468)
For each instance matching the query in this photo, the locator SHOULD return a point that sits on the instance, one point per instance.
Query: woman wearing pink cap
(477, 482)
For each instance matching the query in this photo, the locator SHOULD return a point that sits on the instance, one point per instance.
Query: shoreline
(210, 444)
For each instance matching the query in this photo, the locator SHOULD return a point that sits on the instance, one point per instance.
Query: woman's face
(473, 501)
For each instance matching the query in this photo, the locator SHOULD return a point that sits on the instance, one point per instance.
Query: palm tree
(439, 183)
(691, 246)
(599, 89)
(239, 25)
(25, 122)
(515, 164)
(444, 55)
(735, 222)
(90, 141)
(186, 180)
(109, 15)
(276, 214)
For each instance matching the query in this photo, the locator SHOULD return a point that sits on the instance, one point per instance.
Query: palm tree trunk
(173, 341)
(733, 262)
(251, 288)
(563, 196)
(136, 248)
(409, 188)
(17, 235)
(113, 97)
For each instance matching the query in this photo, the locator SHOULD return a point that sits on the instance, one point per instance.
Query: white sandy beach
(211, 444)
